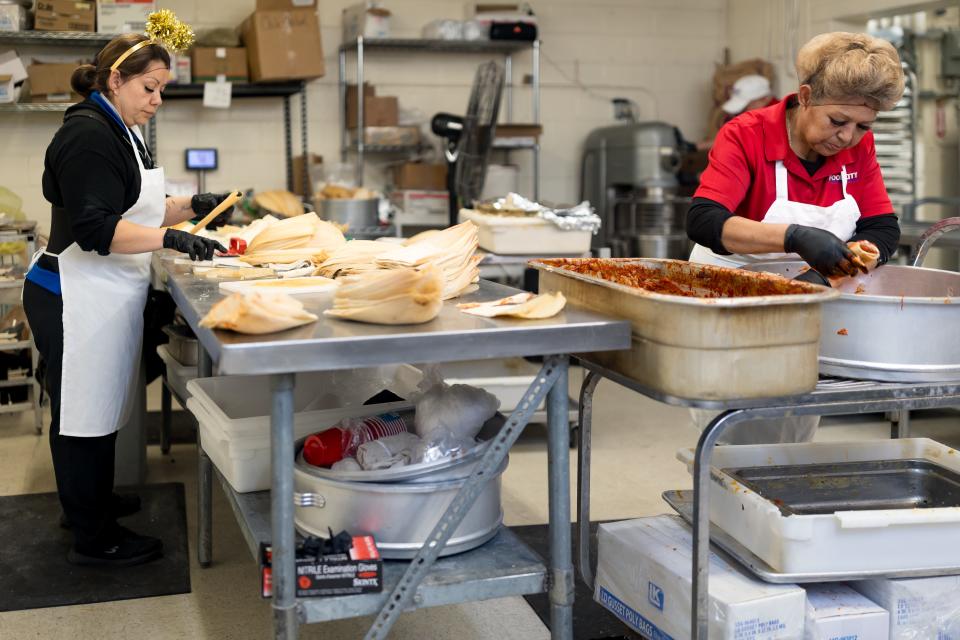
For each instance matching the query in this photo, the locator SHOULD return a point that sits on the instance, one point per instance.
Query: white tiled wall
(592, 51)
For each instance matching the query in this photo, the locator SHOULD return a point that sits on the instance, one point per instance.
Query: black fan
(470, 138)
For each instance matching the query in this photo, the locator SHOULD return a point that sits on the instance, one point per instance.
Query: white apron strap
(843, 179)
(781, 174)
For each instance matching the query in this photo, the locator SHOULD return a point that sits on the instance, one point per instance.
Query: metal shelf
(387, 148)
(516, 143)
(445, 46)
(14, 346)
(60, 38)
(16, 407)
(35, 107)
(502, 567)
(244, 90)
(17, 382)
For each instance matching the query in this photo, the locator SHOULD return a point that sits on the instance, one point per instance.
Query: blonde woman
(800, 178)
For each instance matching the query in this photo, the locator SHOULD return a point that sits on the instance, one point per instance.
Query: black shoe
(123, 548)
(121, 506)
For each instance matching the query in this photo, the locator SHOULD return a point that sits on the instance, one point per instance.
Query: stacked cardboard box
(50, 82)
(207, 64)
(123, 16)
(65, 15)
(378, 111)
(282, 38)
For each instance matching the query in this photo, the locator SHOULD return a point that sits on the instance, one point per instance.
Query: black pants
(83, 466)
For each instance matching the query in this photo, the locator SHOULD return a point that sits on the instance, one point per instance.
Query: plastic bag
(385, 453)
(460, 409)
(441, 444)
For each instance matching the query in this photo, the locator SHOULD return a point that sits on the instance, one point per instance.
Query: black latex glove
(204, 203)
(197, 247)
(820, 249)
(813, 277)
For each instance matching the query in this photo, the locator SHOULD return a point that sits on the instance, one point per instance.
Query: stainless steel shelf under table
(453, 336)
(832, 396)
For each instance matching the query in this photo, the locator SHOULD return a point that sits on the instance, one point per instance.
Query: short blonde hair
(842, 65)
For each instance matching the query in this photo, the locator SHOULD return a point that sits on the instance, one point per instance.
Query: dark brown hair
(93, 77)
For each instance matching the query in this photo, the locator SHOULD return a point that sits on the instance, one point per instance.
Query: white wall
(633, 48)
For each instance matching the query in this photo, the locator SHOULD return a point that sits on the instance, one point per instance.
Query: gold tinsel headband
(164, 29)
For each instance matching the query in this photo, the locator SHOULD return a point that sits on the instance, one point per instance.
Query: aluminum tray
(752, 346)
(853, 486)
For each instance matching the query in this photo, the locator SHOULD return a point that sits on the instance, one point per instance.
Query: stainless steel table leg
(283, 539)
(558, 466)
(903, 426)
(584, 437)
(403, 595)
(204, 481)
(166, 417)
(701, 520)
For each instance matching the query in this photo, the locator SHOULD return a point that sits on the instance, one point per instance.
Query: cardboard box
(7, 89)
(285, 5)
(65, 15)
(511, 130)
(919, 607)
(389, 136)
(837, 612)
(208, 63)
(643, 578)
(181, 68)
(283, 45)
(366, 19)
(116, 17)
(420, 175)
(378, 111)
(50, 82)
(421, 207)
(358, 571)
(368, 92)
(14, 17)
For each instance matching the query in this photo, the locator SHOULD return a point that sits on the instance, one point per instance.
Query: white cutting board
(290, 286)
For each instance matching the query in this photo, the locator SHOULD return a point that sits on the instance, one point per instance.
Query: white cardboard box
(421, 207)
(12, 65)
(643, 577)
(837, 612)
(920, 608)
(122, 17)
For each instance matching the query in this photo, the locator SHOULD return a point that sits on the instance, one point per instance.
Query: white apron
(840, 219)
(103, 302)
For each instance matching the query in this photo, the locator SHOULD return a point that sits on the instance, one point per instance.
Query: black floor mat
(33, 556)
(590, 620)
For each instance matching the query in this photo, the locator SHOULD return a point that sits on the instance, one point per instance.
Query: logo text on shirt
(851, 177)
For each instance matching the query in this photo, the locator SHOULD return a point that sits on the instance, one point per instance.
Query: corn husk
(356, 256)
(452, 250)
(257, 312)
(526, 306)
(301, 231)
(395, 296)
(285, 256)
(281, 202)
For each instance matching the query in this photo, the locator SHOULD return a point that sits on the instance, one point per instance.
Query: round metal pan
(894, 324)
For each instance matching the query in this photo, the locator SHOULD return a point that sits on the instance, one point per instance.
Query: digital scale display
(201, 159)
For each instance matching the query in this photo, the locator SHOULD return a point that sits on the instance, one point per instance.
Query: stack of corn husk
(522, 305)
(394, 296)
(356, 256)
(280, 202)
(305, 237)
(257, 312)
(450, 250)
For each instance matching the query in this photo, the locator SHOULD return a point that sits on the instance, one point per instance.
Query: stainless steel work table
(502, 567)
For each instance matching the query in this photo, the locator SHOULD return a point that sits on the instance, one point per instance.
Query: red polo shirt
(741, 171)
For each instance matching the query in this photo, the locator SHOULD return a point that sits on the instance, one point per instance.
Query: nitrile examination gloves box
(919, 607)
(837, 612)
(643, 577)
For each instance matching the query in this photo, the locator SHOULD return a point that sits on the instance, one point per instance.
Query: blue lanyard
(111, 111)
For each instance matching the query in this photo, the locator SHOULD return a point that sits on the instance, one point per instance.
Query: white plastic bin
(178, 375)
(508, 235)
(234, 413)
(843, 541)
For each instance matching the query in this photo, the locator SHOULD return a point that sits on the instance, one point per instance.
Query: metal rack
(503, 566)
(283, 90)
(831, 397)
(21, 232)
(895, 138)
(362, 46)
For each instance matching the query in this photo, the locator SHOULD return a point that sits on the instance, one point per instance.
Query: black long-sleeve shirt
(705, 220)
(91, 178)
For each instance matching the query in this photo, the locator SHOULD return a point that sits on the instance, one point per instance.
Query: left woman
(84, 297)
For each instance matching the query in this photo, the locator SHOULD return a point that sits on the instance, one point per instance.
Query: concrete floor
(634, 461)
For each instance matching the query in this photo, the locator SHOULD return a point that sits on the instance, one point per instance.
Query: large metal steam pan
(738, 336)
(811, 489)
